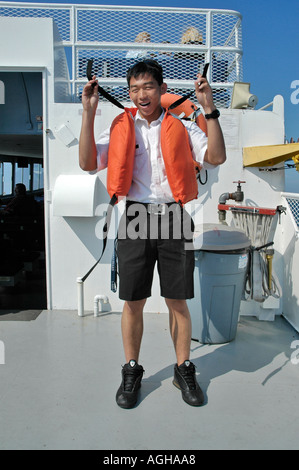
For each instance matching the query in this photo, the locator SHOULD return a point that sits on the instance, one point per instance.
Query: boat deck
(61, 373)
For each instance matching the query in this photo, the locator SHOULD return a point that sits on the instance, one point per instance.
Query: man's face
(145, 92)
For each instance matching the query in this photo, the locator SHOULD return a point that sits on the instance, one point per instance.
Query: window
(38, 176)
(6, 178)
(16, 170)
(22, 175)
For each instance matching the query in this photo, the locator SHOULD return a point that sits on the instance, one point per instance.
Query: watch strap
(213, 115)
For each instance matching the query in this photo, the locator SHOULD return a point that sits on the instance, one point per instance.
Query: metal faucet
(237, 196)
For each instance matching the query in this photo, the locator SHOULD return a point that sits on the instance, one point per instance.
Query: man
(21, 204)
(152, 190)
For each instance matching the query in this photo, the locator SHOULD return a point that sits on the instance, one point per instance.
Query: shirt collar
(138, 117)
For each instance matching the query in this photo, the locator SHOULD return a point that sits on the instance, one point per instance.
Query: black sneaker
(185, 380)
(127, 394)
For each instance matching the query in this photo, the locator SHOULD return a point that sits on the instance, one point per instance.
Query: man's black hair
(146, 66)
(20, 189)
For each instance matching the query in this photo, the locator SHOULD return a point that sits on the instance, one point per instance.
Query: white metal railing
(292, 200)
(107, 34)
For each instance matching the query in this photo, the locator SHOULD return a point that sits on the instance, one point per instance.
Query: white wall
(26, 42)
(290, 269)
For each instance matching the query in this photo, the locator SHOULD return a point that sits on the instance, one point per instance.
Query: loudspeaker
(241, 97)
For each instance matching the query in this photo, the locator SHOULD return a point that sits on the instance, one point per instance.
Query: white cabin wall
(266, 128)
(244, 128)
(290, 235)
(27, 43)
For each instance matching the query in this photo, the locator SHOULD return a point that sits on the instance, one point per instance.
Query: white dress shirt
(150, 182)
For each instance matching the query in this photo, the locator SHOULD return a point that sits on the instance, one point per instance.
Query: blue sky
(270, 46)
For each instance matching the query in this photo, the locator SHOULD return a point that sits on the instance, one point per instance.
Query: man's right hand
(90, 97)
(87, 146)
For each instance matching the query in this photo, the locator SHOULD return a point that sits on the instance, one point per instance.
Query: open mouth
(144, 105)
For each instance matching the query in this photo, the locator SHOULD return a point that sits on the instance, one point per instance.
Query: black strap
(181, 100)
(112, 203)
(113, 200)
(198, 176)
(114, 268)
(110, 98)
(119, 105)
(100, 89)
(185, 97)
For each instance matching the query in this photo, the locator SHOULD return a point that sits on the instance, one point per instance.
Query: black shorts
(146, 238)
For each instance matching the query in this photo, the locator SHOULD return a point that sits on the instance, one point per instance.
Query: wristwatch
(214, 114)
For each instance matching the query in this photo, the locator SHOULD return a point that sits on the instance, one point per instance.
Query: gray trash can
(221, 261)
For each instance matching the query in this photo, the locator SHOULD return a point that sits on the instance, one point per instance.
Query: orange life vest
(187, 107)
(185, 110)
(176, 151)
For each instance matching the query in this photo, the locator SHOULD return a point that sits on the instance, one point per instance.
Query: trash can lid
(219, 237)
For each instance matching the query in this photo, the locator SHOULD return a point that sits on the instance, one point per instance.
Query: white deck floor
(61, 373)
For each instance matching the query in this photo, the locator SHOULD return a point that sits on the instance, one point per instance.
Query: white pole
(80, 290)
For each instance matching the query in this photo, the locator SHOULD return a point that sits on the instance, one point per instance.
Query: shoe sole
(126, 407)
(190, 404)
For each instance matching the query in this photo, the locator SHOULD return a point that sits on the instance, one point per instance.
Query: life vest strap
(185, 97)
(100, 89)
(181, 100)
(111, 204)
(114, 268)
